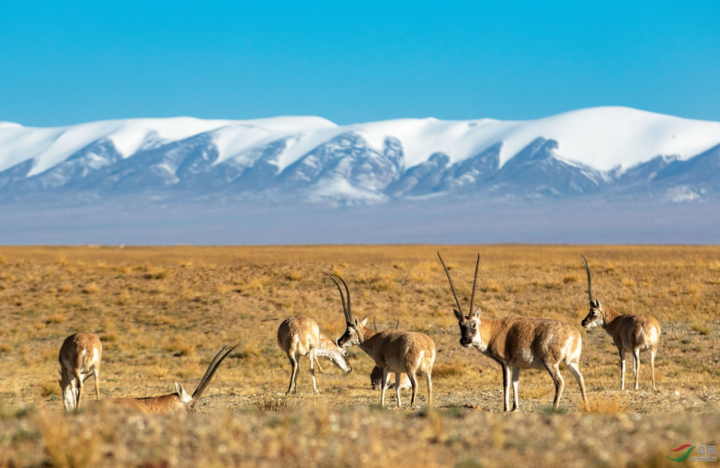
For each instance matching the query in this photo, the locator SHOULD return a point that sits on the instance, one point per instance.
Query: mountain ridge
(608, 151)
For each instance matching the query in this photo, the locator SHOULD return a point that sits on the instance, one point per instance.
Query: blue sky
(70, 62)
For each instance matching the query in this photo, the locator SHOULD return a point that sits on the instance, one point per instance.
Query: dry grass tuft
(628, 283)
(91, 288)
(49, 389)
(571, 279)
(64, 448)
(598, 404)
(57, 318)
(179, 347)
(156, 274)
(294, 276)
(701, 329)
(110, 336)
(449, 370)
(278, 404)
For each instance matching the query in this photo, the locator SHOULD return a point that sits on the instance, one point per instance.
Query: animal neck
(327, 348)
(366, 338)
(610, 319)
(487, 330)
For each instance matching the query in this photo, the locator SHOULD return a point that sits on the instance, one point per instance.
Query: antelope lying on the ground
(392, 350)
(633, 333)
(79, 359)
(376, 379)
(300, 336)
(521, 343)
(180, 400)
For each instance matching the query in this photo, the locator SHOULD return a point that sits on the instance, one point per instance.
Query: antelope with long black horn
(630, 333)
(180, 400)
(392, 350)
(520, 343)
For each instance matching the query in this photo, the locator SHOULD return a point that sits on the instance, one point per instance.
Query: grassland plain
(163, 312)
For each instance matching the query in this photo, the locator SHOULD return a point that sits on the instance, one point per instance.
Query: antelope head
(469, 324)
(188, 401)
(68, 394)
(338, 356)
(596, 316)
(354, 329)
(376, 378)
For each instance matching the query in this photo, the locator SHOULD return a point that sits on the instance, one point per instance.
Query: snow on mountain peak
(602, 138)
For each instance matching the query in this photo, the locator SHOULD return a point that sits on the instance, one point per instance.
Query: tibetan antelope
(180, 400)
(521, 343)
(633, 333)
(79, 359)
(376, 374)
(300, 336)
(392, 350)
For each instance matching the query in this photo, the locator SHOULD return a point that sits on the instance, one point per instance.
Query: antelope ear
(181, 391)
(356, 321)
(458, 315)
(477, 313)
(364, 321)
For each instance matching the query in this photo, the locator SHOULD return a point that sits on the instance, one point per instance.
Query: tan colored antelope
(180, 400)
(633, 333)
(376, 374)
(300, 336)
(79, 358)
(392, 350)
(521, 343)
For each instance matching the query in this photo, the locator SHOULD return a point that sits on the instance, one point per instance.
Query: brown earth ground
(163, 312)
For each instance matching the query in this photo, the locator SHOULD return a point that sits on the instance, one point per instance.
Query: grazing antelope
(633, 333)
(392, 350)
(180, 400)
(79, 359)
(521, 343)
(376, 379)
(300, 336)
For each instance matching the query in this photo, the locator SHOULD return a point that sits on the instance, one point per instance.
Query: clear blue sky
(70, 62)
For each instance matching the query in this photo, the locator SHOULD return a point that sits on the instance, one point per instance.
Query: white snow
(602, 137)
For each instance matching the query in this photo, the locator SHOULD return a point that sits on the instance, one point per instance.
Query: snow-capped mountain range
(605, 151)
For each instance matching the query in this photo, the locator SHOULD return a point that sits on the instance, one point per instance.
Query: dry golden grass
(601, 404)
(162, 314)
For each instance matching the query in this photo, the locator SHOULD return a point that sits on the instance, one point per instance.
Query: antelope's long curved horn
(397, 325)
(345, 308)
(472, 297)
(374, 324)
(457, 301)
(347, 291)
(587, 268)
(211, 371)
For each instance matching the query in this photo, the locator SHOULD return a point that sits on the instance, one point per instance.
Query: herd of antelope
(514, 342)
